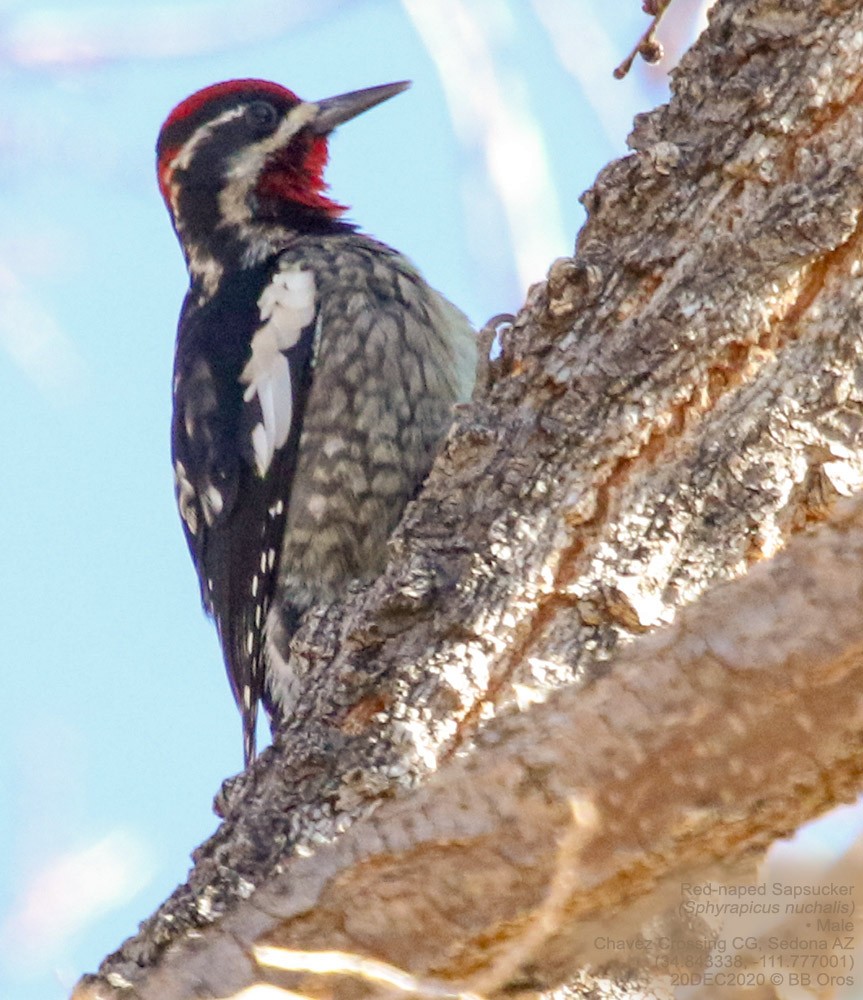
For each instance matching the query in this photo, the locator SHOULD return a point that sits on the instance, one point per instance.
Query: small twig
(484, 343)
(547, 920)
(648, 46)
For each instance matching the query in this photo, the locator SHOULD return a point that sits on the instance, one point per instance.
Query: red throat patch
(296, 174)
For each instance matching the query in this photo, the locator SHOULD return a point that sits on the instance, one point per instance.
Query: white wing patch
(287, 306)
(186, 497)
(211, 500)
(213, 503)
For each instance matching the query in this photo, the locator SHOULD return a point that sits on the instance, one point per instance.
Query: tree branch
(706, 741)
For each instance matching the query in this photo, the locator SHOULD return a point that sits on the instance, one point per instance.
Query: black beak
(333, 111)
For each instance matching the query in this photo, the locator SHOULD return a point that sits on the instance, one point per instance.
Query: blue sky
(119, 726)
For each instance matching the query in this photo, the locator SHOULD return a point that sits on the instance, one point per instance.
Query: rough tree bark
(672, 406)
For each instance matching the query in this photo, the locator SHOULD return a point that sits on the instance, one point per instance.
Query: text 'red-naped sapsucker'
(314, 377)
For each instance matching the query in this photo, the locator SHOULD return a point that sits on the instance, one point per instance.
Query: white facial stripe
(202, 266)
(287, 306)
(251, 159)
(247, 165)
(233, 198)
(187, 150)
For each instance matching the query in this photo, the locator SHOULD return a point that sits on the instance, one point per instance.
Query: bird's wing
(238, 408)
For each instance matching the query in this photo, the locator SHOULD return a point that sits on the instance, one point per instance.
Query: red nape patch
(218, 90)
(164, 171)
(297, 174)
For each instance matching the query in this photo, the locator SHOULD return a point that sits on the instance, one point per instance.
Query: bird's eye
(262, 116)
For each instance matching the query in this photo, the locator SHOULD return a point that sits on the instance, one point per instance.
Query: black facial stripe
(176, 134)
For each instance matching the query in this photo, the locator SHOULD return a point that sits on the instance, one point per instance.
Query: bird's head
(243, 156)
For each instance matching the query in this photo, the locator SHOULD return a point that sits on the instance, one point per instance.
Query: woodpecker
(314, 376)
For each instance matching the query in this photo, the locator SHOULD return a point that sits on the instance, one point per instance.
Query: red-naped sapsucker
(314, 377)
